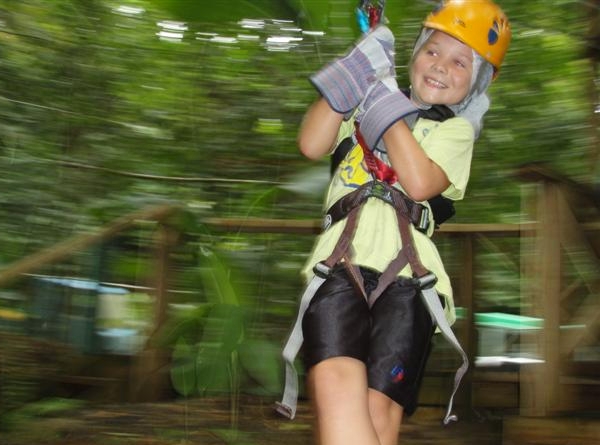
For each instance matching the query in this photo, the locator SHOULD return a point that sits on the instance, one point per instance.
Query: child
(365, 326)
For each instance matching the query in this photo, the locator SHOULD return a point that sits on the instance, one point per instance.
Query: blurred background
(155, 214)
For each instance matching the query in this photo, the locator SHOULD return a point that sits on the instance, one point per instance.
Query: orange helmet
(481, 24)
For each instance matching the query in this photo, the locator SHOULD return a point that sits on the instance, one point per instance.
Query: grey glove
(383, 106)
(344, 82)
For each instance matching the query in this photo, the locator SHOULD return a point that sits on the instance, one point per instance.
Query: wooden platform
(551, 431)
(214, 421)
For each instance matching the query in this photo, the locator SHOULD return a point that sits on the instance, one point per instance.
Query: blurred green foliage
(86, 84)
(106, 109)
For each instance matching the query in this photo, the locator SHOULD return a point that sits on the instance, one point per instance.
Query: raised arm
(319, 130)
(343, 85)
(419, 176)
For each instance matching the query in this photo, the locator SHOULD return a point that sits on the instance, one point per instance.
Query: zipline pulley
(369, 14)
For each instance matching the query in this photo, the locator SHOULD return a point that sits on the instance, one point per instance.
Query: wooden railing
(480, 388)
(563, 227)
(562, 267)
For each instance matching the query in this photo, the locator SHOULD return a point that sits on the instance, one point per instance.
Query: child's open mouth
(434, 83)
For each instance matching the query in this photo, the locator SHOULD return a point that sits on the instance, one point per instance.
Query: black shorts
(393, 338)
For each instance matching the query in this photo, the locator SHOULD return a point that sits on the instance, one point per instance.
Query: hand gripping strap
(432, 301)
(287, 406)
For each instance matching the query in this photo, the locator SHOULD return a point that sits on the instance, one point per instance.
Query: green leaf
(261, 359)
(183, 368)
(216, 280)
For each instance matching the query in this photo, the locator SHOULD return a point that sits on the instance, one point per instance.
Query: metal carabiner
(369, 15)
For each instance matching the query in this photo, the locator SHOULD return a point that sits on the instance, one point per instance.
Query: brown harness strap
(407, 212)
(418, 214)
(342, 252)
(342, 247)
(406, 255)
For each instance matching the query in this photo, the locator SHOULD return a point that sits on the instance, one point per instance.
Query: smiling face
(441, 71)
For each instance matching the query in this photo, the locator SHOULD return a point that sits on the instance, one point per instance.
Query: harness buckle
(427, 281)
(382, 191)
(322, 270)
(423, 223)
(327, 221)
(284, 410)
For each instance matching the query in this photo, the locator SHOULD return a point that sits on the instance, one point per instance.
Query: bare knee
(339, 393)
(337, 377)
(386, 416)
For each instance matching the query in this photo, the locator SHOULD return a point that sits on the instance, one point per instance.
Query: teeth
(435, 83)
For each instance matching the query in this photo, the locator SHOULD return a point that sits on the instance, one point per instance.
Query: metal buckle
(322, 270)
(423, 220)
(427, 281)
(327, 220)
(382, 191)
(284, 410)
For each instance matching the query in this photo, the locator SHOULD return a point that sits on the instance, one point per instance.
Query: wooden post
(150, 368)
(593, 93)
(469, 337)
(529, 291)
(544, 379)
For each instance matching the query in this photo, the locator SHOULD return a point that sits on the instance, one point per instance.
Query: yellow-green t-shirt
(377, 240)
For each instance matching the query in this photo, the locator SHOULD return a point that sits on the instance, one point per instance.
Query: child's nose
(440, 66)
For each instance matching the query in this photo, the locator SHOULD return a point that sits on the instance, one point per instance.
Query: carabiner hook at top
(369, 15)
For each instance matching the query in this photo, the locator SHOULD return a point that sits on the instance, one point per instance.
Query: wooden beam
(313, 226)
(554, 430)
(549, 286)
(70, 246)
(538, 172)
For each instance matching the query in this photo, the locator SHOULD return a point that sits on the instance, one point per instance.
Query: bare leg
(386, 416)
(339, 392)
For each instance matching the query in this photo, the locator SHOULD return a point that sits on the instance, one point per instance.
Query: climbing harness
(408, 212)
(418, 214)
(442, 208)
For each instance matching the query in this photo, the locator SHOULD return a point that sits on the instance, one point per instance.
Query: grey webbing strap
(432, 301)
(287, 406)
